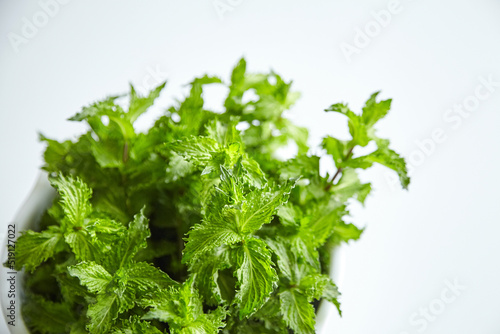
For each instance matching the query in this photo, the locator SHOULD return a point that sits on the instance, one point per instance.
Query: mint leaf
(357, 128)
(191, 112)
(386, 157)
(281, 248)
(322, 222)
(338, 149)
(346, 232)
(218, 230)
(261, 205)
(104, 107)
(318, 286)
(350, 186)
(138, 105)
(255, 275)
(134, 240)
(198, 150)
(75, 199)
(297, 312)
(134, 325)
(103, 313)
(182, 309)
(34, 248)
(207, 277)
(91, 275)
(232, 215)
(44, 316)
(143, 277)
(373, 111)
(82, 245)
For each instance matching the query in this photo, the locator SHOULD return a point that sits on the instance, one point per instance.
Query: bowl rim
(27, 216)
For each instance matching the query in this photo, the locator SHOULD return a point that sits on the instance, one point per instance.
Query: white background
(428, 58)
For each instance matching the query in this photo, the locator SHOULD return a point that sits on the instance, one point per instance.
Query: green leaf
(304, 249)
(218, 229)
(233, 103)
(289, 214)
(78, 327)
(233, 215)
(134, 325)
(322, 223)
(118, 120)
(103, 313)
(210, 153)
(192, 114)
(108, 152)
(207, 276)
(346, 232)
(282, 250)
(256, 276)
(56, 153)
(71, 289)
(253, 173)
(298, 134)
(75, 198)
(82, 246)
(182, 309)
(297, 312)
(168, 306)
(302, 165)
(34, 248)
(139, 105)
(386, 157)
(224, 133)
(357, 128)
(230, 189)
(91, 275)
(260, 206)
(338, 149)
(134, 240)
(362, 132)
(350, 186)
(106, 106)
(105, 231)
(319, 286)
(44, 316)
(373, 111)
(144, 277)
(197, 150)
(238, 74)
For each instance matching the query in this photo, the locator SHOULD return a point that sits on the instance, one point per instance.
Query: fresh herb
(195, 226)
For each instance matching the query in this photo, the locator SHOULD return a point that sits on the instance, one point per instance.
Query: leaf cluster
(195, 226)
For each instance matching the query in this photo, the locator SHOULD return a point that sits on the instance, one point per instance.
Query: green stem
(339, 170)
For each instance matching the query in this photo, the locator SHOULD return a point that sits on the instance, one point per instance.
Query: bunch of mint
(195, 226)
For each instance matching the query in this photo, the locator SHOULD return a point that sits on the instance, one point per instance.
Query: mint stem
(339, 170)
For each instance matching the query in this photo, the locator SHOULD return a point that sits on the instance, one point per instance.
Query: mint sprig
(195, 226)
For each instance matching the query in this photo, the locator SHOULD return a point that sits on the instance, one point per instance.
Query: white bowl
(27, 217)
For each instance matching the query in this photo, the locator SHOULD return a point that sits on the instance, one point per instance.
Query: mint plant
(195, 226)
